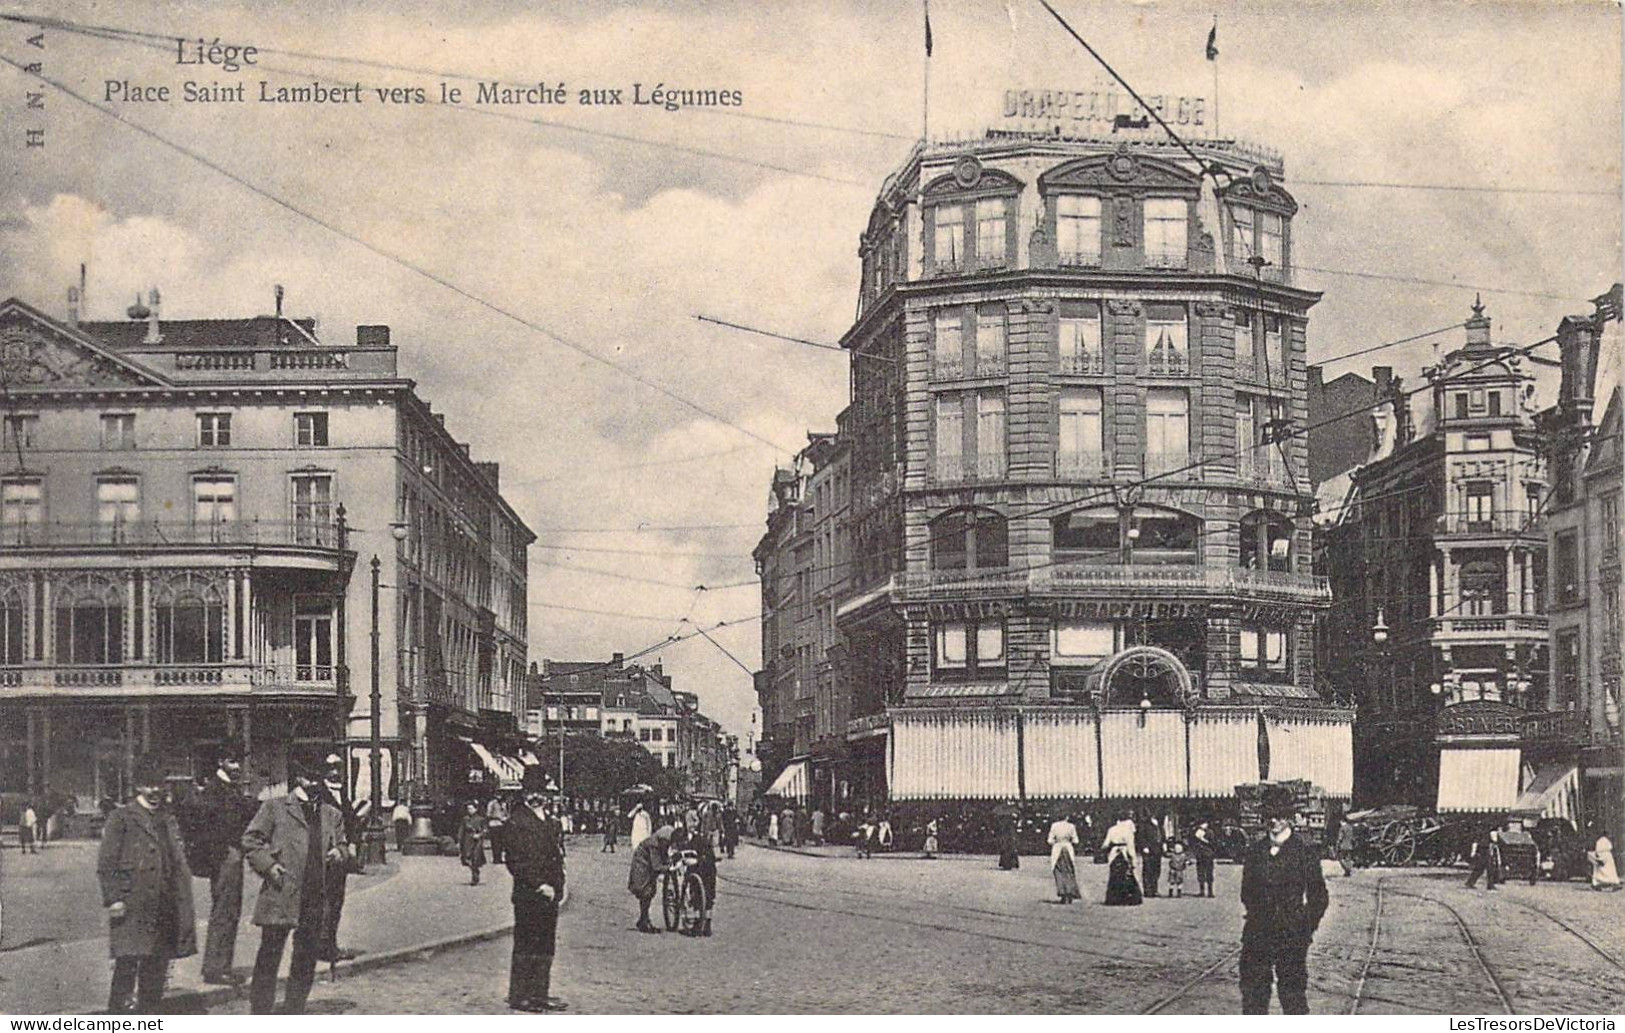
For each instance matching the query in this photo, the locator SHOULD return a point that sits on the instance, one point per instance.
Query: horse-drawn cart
(1399, 835)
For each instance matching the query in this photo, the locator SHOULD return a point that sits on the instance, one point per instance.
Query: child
(931, 839)
(1177, 860)
(866, 837)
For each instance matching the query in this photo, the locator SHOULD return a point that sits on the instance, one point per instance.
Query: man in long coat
(648, 861)
(535, 859)
(1284, 892)
(291, 843)
(214, 821)
(338, 875)
(147, 892)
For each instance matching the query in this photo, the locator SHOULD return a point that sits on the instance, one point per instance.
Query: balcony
(1501, 523)
(1083, 466)
(962, 469)
(1262, 465)
(1084, 259)
(139, 678)
(1501, 625)
(1167, 259)
(1174, 579)
(961, 582)
(315, 535)
(1167, 362)
(1083, 364)
(1155, 464)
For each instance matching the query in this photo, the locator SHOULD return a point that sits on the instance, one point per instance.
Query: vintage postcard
(972, 506)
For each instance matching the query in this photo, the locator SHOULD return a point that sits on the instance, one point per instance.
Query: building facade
(1079, 539)
(190, 511)
(1437, 555)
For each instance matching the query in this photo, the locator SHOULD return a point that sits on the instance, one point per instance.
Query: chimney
(1577, 340)
(73, 305)
(138, 311)
(372, 337)
(492, 474)
(617, 660)
(1478, 327)
(1383, 378)
(153, 334)
(278, 291)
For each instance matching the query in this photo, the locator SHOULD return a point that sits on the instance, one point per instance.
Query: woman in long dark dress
(1009, 856)
(1122, 889)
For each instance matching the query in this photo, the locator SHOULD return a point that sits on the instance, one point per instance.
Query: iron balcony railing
(1083, 465)
(316, 533)
(1156, 463)
(1079, 259)
(1166, 259)
(1262, 464)
(1083, 364)
(182, 676)
(1064, 577)
(959, 469)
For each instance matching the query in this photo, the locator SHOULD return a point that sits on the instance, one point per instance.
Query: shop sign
(1480, 717)
(1102, 110)
(1554, 726)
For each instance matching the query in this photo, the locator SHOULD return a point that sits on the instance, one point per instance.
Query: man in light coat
(147, 892)
(291, 843)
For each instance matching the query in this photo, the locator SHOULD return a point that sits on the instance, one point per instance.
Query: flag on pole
(927, 28)
(1212, 42)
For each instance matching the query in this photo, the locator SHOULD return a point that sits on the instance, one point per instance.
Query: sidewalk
(415, 904)
(838, 851)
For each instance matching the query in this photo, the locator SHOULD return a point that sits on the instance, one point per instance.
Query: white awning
(953, 755)
(791, 783)
(1478, 780)
(1224, 751)
(1553, 793)
(506, 769)
(1061, 757)
(1143, 754)
(1320, 749)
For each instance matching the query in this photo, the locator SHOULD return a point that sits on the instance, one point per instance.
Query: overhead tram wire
(795, 340)
(1390, 344)
(641, 580)
(642, 528)
(724, 649)
(1389, 278)
(400, 260)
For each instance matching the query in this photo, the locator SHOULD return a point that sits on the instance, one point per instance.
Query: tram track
(1371, 952)
(1473, 948)
(1596, 948)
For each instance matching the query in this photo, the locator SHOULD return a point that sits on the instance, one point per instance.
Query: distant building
(188, 513)
(1338, 440)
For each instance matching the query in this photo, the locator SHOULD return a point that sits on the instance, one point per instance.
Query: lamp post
(374, 836)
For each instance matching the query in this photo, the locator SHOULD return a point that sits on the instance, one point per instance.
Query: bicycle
(682, 895)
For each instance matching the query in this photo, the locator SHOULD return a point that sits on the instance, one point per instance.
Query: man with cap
(648, 861)
(147, 892)
(292, 843)
(214, 820)
(535, 859)
(332, 793)
(1284, 892)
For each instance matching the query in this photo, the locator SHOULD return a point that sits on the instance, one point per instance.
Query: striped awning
(792, 782)
(1554, 792)
(952, 754)
(1320, 749)
(508, 771)
(1478, 780)
(1143, 754)
(1060, 759)
(1224, 751)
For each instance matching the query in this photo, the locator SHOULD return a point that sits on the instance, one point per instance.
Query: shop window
(89, 622)
(1087, 536)
(1263, 650)
(1161, 536)
(969, 649)
(1082, 643)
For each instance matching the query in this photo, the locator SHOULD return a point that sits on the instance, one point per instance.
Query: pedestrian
(1009, 855)
(1345, 847)
(772, 830)
(817, 836)
(147, 893)
(705, 866)
(1204, 850)
(535, 859)
(1178, 860)
(730, 829)
(471, 842)
(1604, 873)
(1063, 859)
(610, 833)
(333, 793)
(931, 839)
(1149, 837)
(1122, 889)
(1484, 858)
(212, 823)
(883, 832)
(642, 825)
(27, 829)
(866, 837)
(496, 817)
(648, 861)
(1284, 893)
(291, 843)
(402, 817)
(789, 834)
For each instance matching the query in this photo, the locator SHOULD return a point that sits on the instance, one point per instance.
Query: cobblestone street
(797, 933)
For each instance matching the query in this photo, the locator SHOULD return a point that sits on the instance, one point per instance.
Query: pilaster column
(1511, 585)
(149, 615)
(127, 625)
(47, 633)
(1433, 585)
(1450, 584)
(250, 641)
(230, 650)
(33, 769)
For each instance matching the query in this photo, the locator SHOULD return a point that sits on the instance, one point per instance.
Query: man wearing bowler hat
(1284, 892)
(535, 858)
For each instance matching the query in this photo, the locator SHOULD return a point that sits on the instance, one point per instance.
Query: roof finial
(1478, 305)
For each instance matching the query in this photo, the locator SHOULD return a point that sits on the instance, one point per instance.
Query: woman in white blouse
(1063, 842)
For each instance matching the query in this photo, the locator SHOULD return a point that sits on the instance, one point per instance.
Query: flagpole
(925, 103)
(1215, 82)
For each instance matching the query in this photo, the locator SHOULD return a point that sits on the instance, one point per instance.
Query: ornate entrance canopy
(1145, 672)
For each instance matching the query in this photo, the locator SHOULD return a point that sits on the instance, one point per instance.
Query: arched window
(1150, 534)
(189, 621)
(1088, 536)
(13, 605)
(969, 539)
(1266, 542)
(1483, 588)
(89, 621)
(1164, 536)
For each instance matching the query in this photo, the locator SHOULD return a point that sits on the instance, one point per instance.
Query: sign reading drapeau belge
(1098, 109)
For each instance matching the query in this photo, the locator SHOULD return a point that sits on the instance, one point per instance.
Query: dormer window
(970, 219)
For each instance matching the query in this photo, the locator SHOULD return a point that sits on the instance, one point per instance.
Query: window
(214, 500)
(89, 621)
(1533, 498)
(19, 431)
(1567, 675)
(1461, 405)
(990, 442)
(1077, 229)
(1275, 348)
(118, 507)
(592, 713)
(948, 236)
(1266, 542)
(1483, 588)
(313, 639)
(1167, 430)
(1164, 537)
(1079, 451)
(118, 431)
(948, 355)
(313, 508)
(1246, 357)
(1609, 504)
(310, 429)
(1270, 237)
(189, 624)
(1165, 224)
(1480, 496)
(1477, 442)
(13, 605)
(1166, 347)
(1243, 218)
(20, 508)
(1088, 536)
(1263, 649)
(1079, 339)
(990, 341)
(1495, 403)
(969, 539)
(1568, 568)
(950, 436)
(213, 429)
(990, 231)
(1082, 642)
(969, 648)
(643, 735)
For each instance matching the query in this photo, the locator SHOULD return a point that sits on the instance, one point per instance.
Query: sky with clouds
(610, 228)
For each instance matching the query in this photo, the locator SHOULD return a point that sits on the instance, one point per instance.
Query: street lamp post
(374, 837)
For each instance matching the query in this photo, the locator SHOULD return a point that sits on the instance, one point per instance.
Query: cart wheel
(671, 903)
(1402, 849)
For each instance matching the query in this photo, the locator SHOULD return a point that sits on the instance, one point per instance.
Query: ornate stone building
(1080, 558)
(189, 510)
